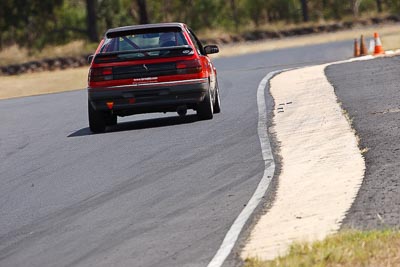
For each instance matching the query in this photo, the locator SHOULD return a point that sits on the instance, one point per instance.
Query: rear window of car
(142, 41)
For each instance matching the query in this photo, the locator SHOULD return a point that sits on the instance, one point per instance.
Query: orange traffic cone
(378, 45)
(356, 48)
(363, 47)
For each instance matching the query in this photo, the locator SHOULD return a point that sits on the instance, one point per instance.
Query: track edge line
(234, 231)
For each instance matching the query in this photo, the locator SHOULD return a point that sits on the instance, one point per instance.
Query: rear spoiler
(183, 50)
(123, 31)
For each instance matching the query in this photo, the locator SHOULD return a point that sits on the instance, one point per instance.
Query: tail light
(100, 74)
(188, 66)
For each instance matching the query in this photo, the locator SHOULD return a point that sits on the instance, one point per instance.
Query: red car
(151, 68)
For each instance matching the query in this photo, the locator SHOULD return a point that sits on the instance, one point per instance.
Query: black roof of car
(132, 28)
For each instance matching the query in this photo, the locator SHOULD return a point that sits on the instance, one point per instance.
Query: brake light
(107, 71)
(110, 105)
(100, 74)
(188, 66)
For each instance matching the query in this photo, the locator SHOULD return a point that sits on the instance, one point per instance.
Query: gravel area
(369, 92)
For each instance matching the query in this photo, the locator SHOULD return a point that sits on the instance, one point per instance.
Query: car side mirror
(90, 59)
(211, 49)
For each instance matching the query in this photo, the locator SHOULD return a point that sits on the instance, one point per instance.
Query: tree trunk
(144, 19)
(304, 8)
(324, 4)
(91, 20)
(379, 5)
(234, 14)
(356, 6)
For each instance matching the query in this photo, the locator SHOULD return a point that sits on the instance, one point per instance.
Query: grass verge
(347, 248)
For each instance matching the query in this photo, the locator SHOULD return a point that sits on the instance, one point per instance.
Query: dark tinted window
(141, 41)
(197, 43)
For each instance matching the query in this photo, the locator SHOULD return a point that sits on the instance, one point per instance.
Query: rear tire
(217, 101)
(111, 120)
(97, 120)
(205, 108)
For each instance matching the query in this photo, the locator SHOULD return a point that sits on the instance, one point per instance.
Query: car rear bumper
(148, 97)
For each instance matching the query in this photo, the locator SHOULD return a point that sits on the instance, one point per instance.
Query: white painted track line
(233, 233)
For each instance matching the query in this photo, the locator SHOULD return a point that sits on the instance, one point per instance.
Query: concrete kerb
(234, 232)
(264, 247)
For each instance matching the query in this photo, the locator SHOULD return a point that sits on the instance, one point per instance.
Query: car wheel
(111, 120)
(217, 101)
(205, 108)
(97, 120)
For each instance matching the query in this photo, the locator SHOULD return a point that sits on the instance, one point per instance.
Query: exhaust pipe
(181, 110)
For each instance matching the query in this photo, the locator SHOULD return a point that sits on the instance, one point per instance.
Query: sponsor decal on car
(138, 81)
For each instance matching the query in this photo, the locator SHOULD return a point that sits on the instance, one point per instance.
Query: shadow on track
(142, 124)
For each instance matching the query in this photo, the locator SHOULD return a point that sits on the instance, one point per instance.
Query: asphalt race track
(369, 92)
(155, 190)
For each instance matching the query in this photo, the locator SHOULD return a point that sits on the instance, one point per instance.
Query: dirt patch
(43, 83)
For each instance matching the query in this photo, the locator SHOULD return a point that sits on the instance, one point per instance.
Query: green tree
(256, 10)
(59, 21)
(26, 26)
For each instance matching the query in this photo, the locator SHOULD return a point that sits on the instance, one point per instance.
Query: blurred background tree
(36, 23)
